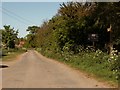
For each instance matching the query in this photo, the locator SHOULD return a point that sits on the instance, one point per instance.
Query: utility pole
(111, 46)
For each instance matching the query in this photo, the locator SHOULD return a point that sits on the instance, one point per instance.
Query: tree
(73, 23)
(32, 29)
(0, 38)
(9, 36)
(107, 15)
(71, 30)
(31, 39)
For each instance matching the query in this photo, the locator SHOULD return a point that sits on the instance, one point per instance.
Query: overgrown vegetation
(75, 22)
(66, 37)
(10, 43)
(9, 37)
(11, 54)
(31, 39)
(97, 64)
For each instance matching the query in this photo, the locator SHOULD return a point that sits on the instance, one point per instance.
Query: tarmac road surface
(32, 70)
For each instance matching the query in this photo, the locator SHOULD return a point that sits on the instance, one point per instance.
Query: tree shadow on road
(3, 66)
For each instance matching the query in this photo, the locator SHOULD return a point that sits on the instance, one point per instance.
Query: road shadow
(3, 66)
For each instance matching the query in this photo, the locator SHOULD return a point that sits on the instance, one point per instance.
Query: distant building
(21, 44)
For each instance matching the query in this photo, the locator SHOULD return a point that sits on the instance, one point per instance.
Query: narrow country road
(32, 70)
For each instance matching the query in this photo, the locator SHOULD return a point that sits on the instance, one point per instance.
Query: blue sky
(20, 15)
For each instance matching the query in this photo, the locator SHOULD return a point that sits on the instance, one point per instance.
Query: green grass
(94, 64)
(11, 55)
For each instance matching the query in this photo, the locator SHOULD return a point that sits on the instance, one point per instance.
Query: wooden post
(111, 46)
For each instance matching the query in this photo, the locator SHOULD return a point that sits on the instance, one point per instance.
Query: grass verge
(10, 55)
(93, 64)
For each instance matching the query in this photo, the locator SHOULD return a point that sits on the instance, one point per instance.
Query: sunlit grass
(95, 64)
(9, 56)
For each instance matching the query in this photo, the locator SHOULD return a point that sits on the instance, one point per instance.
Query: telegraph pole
(110, 30)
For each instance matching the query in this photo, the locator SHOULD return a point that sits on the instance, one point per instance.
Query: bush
(4, 52)
(94, 62)
(114, 62)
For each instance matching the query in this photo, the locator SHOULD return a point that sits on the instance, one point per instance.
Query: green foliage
(11, 53)
(31, 37)
(76, 21)
(114, 61)
(109, 14)
(65, 36)
(70, 27)
(9, 36)
(94, 63)
(32, 29)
